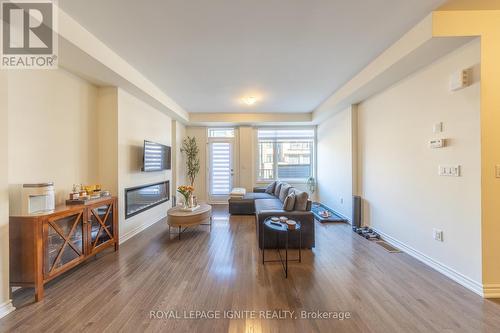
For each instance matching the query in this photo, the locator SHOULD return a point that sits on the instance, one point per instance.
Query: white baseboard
(6, 308)
(137, 230)
(461, 279)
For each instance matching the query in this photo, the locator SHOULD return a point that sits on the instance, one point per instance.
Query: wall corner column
(483, 23)
(5, 301)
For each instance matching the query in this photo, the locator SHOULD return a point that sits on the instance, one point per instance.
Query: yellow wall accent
(486, 24)
(471, 5)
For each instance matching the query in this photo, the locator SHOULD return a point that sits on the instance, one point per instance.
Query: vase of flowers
(187, 192)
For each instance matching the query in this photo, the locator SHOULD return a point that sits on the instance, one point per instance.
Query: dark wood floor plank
(222, 270)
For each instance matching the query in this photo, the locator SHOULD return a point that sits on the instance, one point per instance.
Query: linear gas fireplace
(141, 198)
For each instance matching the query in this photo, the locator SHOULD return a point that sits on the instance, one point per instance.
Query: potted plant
(190, 150)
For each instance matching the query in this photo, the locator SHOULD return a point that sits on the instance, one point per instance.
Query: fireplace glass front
(141, 198)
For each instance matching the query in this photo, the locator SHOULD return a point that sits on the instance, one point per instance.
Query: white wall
(181, 160)
(246, 157)
(335, 162)
(107, 125)
(137, 121)
(52, 129)
(178, 159)
(398, 172)
(5, 303)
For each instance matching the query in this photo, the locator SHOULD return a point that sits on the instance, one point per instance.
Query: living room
(162, 171)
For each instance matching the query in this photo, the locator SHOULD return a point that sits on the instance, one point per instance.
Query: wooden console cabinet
(45, 246)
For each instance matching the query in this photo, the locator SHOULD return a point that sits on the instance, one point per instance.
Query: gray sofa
(264, 205)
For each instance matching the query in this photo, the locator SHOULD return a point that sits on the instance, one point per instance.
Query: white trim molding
(6, 308)
(140, 228)
(491, 290)
(449, 272)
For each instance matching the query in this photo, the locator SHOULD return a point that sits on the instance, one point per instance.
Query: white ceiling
(206, 55)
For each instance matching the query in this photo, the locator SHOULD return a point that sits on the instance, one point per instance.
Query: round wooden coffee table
(182, 219)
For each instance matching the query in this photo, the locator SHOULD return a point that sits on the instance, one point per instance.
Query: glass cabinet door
(65, 241)
(101, 225)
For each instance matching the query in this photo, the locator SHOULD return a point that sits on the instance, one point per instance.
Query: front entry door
(220, 171)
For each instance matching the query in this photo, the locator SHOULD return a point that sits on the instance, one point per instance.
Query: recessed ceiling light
(250, 100)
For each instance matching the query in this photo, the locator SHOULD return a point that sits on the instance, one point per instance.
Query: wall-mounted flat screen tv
(156, 157)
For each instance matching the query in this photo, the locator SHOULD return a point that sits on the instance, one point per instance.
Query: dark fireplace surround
(141, 198)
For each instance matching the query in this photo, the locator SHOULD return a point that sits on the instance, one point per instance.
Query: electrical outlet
(437, 143)
(342, 200)
(437, 234)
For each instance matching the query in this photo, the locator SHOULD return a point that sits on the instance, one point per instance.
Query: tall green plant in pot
(190, 150)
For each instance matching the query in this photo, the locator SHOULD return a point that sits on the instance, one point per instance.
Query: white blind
(220, 168)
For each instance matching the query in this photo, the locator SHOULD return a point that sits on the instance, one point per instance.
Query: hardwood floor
(222, 270)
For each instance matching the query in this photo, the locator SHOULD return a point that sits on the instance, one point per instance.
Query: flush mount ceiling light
(250, 100)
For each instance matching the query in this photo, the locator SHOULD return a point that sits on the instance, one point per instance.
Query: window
(286, 154)
(221, 132)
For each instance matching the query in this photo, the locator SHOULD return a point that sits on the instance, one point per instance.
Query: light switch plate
(449, 170)
(437, 128)
(437, 235)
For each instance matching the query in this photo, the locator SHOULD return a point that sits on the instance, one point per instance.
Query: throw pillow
(284, 191)
(289, 203)
(301, 201)
(277, 189)
(270, 188)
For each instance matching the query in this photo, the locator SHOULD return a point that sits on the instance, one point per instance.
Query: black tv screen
(156, 157)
